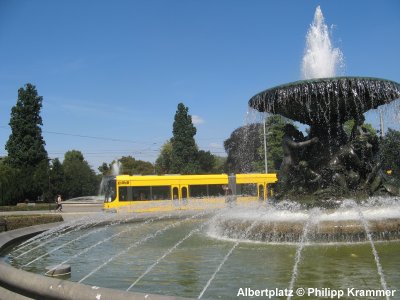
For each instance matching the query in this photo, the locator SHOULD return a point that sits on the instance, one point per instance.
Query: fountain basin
(349, 231)
(324, 226)
(15, 283)
(184, 271)
(325, 100)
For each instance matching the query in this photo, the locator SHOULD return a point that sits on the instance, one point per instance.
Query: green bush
(20, 221)
(29, 207)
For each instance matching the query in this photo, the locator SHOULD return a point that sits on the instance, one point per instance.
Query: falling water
(62, 234)
(69, 242)
(139, 242)
(116, 168)
(130, 228)
(62, 230)
(170, 250)
(225, 259)
(299, 250)
(320, 58)
(374, 252)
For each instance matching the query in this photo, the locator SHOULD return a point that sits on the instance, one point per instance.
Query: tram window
(204, 190)
(110, 191)
(184, 192)
(198, 191)
(215, 190)
(246, 189)
(140, 193)
(161, 192)
(123, 193)
(175, 193)
(260, 192)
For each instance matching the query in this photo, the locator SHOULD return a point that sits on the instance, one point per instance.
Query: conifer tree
(184, 150)
(27, 155)
(25, 145)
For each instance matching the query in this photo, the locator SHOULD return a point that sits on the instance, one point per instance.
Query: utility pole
(265, 147)
(381, 123)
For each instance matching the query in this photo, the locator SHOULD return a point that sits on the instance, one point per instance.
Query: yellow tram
(171, 192)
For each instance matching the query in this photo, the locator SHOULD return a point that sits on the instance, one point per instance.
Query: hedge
(29, 207)
(20, 221)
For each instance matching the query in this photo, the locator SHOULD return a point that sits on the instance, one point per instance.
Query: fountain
(327, 162)
(272, 248)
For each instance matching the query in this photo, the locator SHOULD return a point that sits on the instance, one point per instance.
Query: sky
(112, 73)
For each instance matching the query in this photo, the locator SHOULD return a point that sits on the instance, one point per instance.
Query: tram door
(261, 195)
(175, 194)
(270, 192)
(184, 194)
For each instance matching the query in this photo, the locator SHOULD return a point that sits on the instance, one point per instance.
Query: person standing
(59, 204)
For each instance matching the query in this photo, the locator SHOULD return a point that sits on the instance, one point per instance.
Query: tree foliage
(25, 145)
(26, 173)
(180, 154)
(390, 151)
(9, 185)
(220, 162)
(27, 155)
(131, 166)
(245, 146)
(163, 162)
(348, 127)
(57, 181)
(274, 132)
(207, 162)
(243, 149)
(105, 169)
(80, 179)
(184, 149)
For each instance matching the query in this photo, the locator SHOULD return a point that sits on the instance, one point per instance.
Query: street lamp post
(49, 173)
(265, 148)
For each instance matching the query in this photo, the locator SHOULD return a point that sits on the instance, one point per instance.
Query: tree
(163, 162)
(242, 148)
(348, 127)
(80, 179)
(219, 164)
(274, 133)
(57, 183)
(131, 166)
(25, 145)
(26, 148)
(184, 150)
(9, 185)
(207, 162)
(245, 146)
(105, 169)
(390, 151)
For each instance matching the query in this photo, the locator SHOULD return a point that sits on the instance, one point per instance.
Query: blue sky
(118, 69)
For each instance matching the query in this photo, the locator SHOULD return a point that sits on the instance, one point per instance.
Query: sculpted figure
(292, 143)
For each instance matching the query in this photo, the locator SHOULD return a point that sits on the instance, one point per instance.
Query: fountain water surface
(195, 254)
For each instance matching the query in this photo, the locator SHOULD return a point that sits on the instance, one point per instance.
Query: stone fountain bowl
(326, 101)
(348, 231)
(345, 224)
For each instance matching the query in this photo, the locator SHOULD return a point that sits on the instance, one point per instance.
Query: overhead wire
(103, 153)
